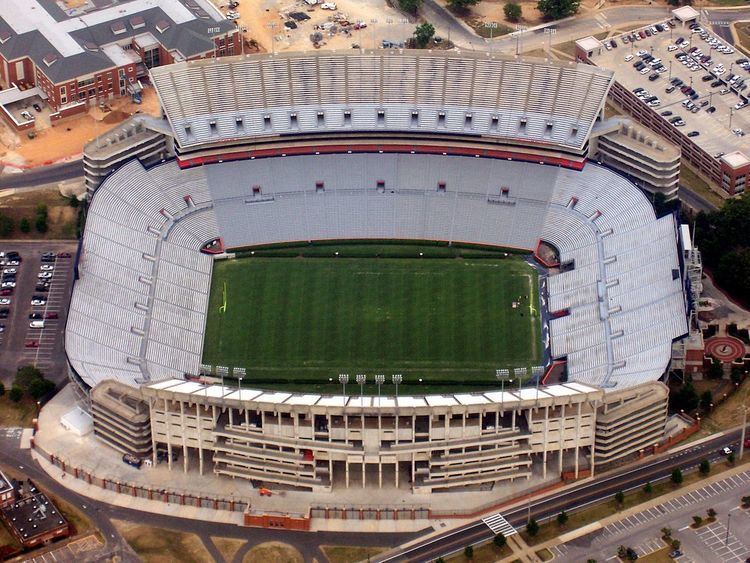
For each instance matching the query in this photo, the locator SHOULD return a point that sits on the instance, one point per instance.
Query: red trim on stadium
(552, 366)
(188, 162)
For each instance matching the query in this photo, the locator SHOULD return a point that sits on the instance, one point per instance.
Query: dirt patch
(273, 552)
(115, 117)
(16, 414)
(348, 553)
(61, 217)
(160, 545)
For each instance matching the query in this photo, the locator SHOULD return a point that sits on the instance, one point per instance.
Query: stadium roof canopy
(507, 99)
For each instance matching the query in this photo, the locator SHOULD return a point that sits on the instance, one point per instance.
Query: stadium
(387, 219)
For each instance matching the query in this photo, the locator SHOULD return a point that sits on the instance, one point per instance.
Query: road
(620, 17)
(101, 514)
(44, 175)
(694, 200)
(600, 488)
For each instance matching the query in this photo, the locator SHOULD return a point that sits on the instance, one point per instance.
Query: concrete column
(396, 472)
(151, 409)
(578, 438)
(463, 425)
(184, 437)
(199, 425)
(247, 418)
(330, 425)
(413, 429)
(513, 420)
(364, 467)
(346, 464)
(413, 472)
(544, 441)
(231, 416)
(380, 472)
(167, 419)
(497, 422)
(346, 429)
(562, 436)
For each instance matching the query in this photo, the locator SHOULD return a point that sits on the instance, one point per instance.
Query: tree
(32, 381)
(562, 518)
(439, 560)
(6, 225)
(666, 532)
(619, 497)
(676, 476)
(711, 513)
(746, 500)
(557, 9)
(24, 225)
(423, 34)
(704, 467)
(715, 370)
(730, 458)
(707, 399)
(461, 5)
(2, 388)
(736, 374)
(675, 544)
(663, 207)
(499, 540)
(15, 394)
(469, 552)
(40, 222)
(647, 488)
(622, 552)
(532, 528)
(697, 521)
(512, 12)
(686, 398)
(74, 202)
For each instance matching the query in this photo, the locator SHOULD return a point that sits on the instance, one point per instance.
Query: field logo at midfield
(223, 307)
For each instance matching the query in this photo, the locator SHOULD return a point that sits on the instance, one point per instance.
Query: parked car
(725, 450)
(666, 113)
(693, 134)
(4, 313)
(46, 267)
(31, 344)
(63, 254)
(6, 291)
(4, 301)
(51, 315)
(132, 460)
(38, 300)
(37, 107)
(10, 271)
(44, 275)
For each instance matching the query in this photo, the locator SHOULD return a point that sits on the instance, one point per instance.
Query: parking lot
(41, 345)
(689, 77)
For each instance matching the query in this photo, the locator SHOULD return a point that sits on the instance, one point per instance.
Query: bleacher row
(467, 93)
(623, 294)
(138, 309)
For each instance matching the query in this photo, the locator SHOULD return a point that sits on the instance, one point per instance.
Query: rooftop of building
(5, 484)
(33, 515)
(77, 42)
(715, 130)
(643, 140)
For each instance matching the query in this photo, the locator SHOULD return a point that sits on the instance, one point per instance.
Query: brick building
(88, 55)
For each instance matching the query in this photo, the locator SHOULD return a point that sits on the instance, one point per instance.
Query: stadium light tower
(344, 379)
(361, 379)
(397, 379)
(379, 380)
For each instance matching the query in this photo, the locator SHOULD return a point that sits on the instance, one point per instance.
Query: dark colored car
(4, 313)
(693, 134)
(51, 315)
(666, 113)
(711, 109)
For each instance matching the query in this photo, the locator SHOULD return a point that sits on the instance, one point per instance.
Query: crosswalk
(499, 525)
(601, 21)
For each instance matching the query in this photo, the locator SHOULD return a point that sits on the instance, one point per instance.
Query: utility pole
(742, 436)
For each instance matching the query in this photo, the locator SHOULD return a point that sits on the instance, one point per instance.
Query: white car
(38, 302)
(672, 48)
(641, 53)
(645, 70)
(328, 6)
(736, 131)
(4, 301)
(10, 271)
(628, 58)
(8, 284)
(46, 267)
(311, 2)
(44, 275)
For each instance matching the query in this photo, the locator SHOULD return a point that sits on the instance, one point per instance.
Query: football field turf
(293, 323)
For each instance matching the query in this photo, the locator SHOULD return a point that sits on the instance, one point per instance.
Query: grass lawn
(273, 552)
(350, 553)
(7, 539)
(296, 322)
(17, 414)
(658, 556)
(695, 183)
(160, 545)
(61, 218)
(485, 553)
(228, 547)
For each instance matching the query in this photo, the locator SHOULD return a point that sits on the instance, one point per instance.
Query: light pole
(361, 379)
(397, 378)
(744, 427)
(344, 379)
(726, 537)
(379, 380)
(272, 27)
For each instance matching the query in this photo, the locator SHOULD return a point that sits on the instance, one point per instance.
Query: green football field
(295, 322)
